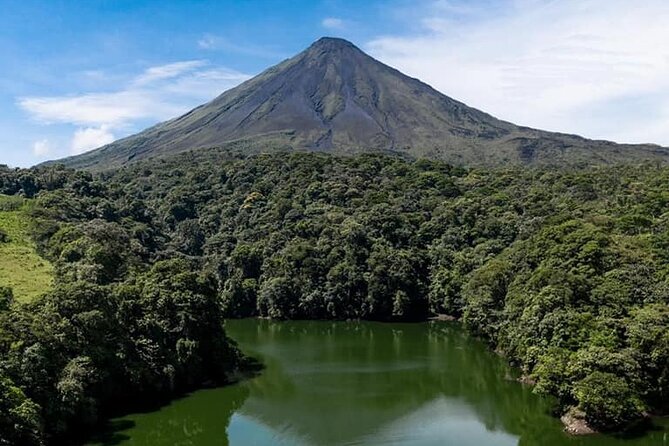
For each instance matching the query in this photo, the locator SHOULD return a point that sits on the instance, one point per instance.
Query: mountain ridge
(335, 98)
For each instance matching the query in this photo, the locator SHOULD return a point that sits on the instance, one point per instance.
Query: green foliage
(6, 298)
(564, 272)
(607, 399)
(485, 295)
(21, 268)
(649, 338)
(123, 320)
(551, 372)
(555, 269)
(19, 416)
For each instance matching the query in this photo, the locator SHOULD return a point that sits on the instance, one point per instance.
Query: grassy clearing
(21, 268)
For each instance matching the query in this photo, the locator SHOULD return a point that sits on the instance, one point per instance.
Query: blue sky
(77, 74)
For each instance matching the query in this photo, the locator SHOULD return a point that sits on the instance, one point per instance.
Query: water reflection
(201, 418)
(363, 383)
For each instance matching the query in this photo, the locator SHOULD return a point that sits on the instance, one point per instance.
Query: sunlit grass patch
(21, 268)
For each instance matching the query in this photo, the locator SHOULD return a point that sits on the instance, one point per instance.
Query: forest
(565, 273)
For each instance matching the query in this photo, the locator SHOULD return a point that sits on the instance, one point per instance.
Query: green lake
(362, 383)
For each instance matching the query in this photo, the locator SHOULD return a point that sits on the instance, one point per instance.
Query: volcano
(332, 97)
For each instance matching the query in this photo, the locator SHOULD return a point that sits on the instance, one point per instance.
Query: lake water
(362, 383)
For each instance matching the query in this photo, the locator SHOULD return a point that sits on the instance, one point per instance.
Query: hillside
(564, 272)
(121, 326)
(21, 268)
(334, 98)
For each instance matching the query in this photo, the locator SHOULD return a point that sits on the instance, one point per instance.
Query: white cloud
(92, 108)
(595, 67)
(213, 42)
(332, 23)
(88, 138)
(158, 93)
(94, 74)
(41, 148)
(207, 83)
(168, 71)
(209, 42)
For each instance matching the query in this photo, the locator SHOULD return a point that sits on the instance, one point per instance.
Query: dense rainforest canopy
(565, 273)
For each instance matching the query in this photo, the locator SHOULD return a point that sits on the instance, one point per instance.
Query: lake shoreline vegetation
(565, 273)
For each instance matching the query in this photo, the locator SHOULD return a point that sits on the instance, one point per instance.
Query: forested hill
(334, 98)
(123, 326)
(566, 273)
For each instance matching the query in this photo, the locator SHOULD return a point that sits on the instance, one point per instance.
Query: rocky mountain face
(333, 97)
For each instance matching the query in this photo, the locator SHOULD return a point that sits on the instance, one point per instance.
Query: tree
(607, 400)
(6, 298)
(19, 416)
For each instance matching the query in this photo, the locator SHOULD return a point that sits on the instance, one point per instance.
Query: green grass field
(28, 274)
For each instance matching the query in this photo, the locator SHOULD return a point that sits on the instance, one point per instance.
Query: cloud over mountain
(157, 93)
(594, 67)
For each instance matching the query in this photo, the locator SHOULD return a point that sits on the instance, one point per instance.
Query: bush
(607, 400)
(6, 297)
(19, 416)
